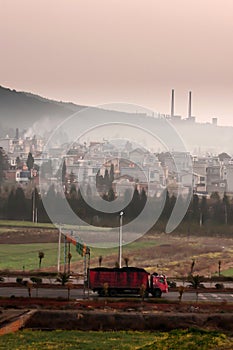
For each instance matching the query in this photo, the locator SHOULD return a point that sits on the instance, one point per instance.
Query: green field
(15, 223)
(171, 254)
(15, 256)
(176, 340)
(228, 272)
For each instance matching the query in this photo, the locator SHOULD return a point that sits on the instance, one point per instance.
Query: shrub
(19, 280)
(36, 280)
(63, 278)
(171, 284)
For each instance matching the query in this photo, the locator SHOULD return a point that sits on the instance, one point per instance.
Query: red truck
(131, 280)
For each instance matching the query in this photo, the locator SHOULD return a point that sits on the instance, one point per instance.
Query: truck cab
(158, 285)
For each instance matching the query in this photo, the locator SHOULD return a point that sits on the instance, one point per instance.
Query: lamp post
(120, 239)
(59, 249)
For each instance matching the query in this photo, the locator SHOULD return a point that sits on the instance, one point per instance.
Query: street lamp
(120, 239)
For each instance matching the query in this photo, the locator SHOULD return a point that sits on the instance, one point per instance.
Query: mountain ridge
(24, 109)
(30, 112)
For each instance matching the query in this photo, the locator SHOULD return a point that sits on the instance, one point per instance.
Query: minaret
(172, 103)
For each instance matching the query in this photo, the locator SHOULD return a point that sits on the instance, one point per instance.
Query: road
(42, 292)
(78, 294)
(203, 297)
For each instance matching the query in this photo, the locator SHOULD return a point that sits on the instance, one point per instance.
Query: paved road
(208, 297)
(78, 294)
(42, 292)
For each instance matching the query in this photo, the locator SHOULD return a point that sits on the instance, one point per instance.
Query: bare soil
(28, 235)
(171, 254)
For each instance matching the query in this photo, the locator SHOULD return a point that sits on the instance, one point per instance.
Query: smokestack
(172, 103)
(190, 105)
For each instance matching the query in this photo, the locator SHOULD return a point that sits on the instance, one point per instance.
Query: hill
(22, 109)
(26, 111)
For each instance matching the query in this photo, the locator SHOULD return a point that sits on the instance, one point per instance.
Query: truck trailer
(126, 280)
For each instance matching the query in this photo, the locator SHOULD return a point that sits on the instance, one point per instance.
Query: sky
(133, 51)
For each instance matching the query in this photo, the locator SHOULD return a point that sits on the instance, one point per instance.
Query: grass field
(15, 223)
(171, 254)
(176, 340)
(228, 272)
(15, 256)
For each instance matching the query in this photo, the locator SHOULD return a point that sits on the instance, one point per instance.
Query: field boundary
(17, 323)
(137, 321)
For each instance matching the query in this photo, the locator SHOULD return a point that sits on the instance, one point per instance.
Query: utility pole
(120, 239)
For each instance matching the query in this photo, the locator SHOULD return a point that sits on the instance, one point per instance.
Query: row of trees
(19, 206)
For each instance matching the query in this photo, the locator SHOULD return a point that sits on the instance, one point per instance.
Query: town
(114, 171)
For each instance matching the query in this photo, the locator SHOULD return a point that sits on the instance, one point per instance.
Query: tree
(143, 198)
(46, 168)
(100, 260)
(69, 260)
(195, 208)
(195, 281)
(11, 205)
(111, 174)
(135, 204)
(35, 204)
(29, 286)
(37, 281)
(30, 161)
(215, 196)
(106, 179)
(20, 204)
(126, 259)
(89, 191)
(18, 162)
(204, 210)
(4, 165)
(63, 278)
(51, 196)
(226, 205)
(216, 207)
(40, 256)
(181, 290)
(166, 209)
(111, 195)
(63, 172)
(219, 267)
(73, 191)
(72, 177)
(192, 266)
(69, 286)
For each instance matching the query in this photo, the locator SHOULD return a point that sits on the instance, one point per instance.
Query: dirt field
(171, 254)
(108, 315)
(27, 235)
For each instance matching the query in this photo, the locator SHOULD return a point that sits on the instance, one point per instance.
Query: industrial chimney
(190, 105)
(172, 104)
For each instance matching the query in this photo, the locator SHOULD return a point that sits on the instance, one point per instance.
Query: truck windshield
(161, 280)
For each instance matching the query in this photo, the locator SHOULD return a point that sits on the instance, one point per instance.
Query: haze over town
(93, 53)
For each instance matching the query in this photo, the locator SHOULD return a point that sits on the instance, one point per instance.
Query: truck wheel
(112, 292)
(101, 293)
(157, 293)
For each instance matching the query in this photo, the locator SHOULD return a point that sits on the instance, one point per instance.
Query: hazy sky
(100, 51)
